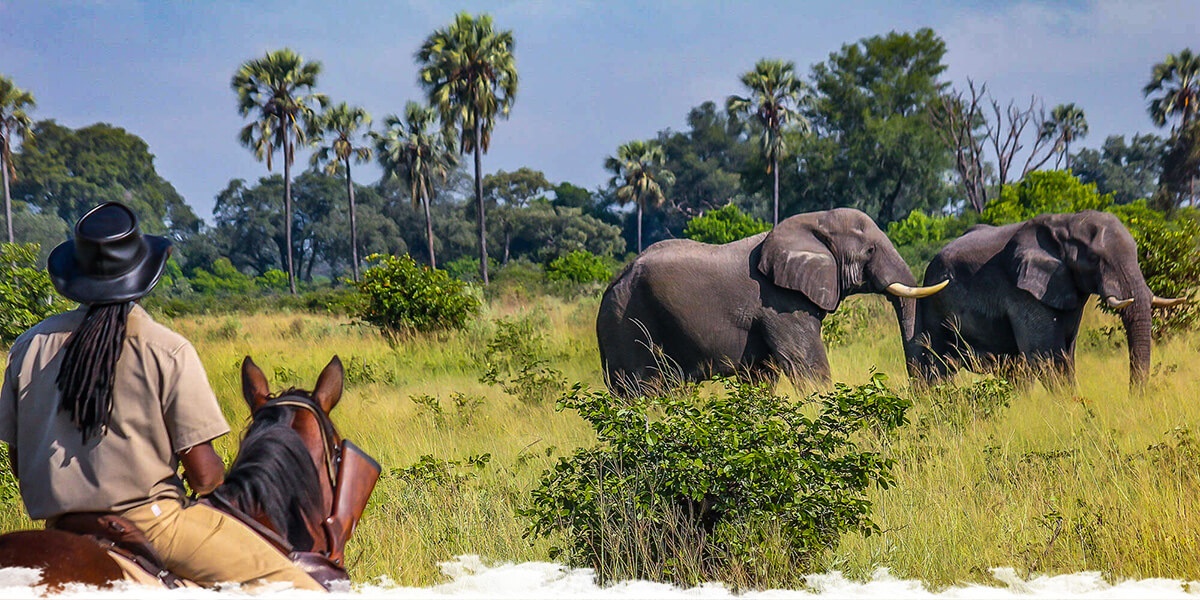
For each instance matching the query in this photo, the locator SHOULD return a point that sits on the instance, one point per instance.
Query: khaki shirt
(162, 404)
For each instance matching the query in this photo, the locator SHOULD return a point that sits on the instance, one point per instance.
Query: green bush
(26, 294)
(273, 280)
(579, 266)
(1044, 192)
(516, 360)
(401, 297)
(742, 486)
(919, 237)
(724, 225)
(1170, 261)
(224, 279)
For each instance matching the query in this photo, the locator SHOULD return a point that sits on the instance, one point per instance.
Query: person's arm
(202, 468)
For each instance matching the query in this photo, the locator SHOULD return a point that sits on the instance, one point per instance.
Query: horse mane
(274, 476)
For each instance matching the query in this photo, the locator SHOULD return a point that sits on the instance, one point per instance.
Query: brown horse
(285, 479)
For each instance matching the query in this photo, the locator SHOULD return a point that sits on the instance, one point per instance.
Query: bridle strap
(328, 434)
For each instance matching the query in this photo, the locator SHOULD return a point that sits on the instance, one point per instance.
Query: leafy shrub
(690, 488)
(430, 471)
(26, 294)
(273, 280)
(1044, 192)
(401, 297)
(918, 237)
(520, 278)
(724, 225)
(516, 360)
(1170, 261)
(579, 266)
(224, 279)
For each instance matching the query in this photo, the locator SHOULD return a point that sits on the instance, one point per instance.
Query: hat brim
(88, 289)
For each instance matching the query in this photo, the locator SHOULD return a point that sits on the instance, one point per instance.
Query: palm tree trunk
(483, 256)
(353, 222)
(639, 205)
(7, 199)
(775, 168)
(287, 211)
(429, 231)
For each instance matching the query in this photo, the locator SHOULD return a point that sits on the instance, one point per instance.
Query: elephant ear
(795, 259)
(1043, 273)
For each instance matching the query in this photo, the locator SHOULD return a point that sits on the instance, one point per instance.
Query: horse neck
(274, 482)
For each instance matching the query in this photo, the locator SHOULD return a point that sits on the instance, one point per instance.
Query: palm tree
(14, 124)
(639, 176)
(411, 150)
(340, 125)
(470, 74)
(775, 94)
(1178, 78)
(1066, 124)
(278, 87)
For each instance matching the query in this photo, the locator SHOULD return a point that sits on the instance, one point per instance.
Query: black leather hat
(109, 260)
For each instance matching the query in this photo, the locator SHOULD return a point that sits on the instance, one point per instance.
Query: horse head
(269, 481)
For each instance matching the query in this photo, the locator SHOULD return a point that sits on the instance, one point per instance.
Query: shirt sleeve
(190, 407)
(8, 403)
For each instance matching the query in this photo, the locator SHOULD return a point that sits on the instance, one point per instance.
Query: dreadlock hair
(89, 367)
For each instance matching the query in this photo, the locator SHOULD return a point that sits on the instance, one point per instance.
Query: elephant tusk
(1118, 304)
(1159, 302)
(904, 291)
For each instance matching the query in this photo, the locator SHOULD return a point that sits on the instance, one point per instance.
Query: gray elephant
(687, 310)
(1017, 294)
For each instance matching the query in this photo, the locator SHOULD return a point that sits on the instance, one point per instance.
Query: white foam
(470, 578)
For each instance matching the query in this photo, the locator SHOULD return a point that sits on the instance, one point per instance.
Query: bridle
(329, 436)
(332, 464)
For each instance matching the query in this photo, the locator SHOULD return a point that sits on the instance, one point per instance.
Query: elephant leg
(794, 341)
(1042, 339)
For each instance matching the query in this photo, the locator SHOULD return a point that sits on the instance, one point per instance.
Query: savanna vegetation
(463, 305)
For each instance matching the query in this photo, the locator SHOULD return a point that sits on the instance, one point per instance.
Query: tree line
(871, 127)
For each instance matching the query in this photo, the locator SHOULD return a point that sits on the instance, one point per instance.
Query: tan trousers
(210, 547)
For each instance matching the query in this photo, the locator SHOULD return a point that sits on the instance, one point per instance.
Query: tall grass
(1047, 481)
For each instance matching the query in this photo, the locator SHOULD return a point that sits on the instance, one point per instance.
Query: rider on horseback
(101, 404)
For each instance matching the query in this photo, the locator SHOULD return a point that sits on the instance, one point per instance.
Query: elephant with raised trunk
(684, 310)
(1017, 293)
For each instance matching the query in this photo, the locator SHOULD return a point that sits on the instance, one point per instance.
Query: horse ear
(254, 384)
(329, 385)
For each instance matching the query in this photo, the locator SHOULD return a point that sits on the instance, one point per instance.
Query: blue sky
(592, 74)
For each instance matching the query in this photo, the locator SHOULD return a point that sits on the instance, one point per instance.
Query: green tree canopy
(1129, 171)
(877, 149)
(66, 172)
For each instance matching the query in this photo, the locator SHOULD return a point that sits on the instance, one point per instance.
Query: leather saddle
(120, 536)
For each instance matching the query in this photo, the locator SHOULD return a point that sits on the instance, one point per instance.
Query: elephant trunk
(887, 270)
(1136, 319)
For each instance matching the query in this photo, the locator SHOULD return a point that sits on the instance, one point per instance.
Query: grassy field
(1053, 482)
